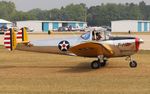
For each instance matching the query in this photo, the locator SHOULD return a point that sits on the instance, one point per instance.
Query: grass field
(42, 73)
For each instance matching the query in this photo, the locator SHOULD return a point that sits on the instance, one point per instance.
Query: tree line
(95, 15)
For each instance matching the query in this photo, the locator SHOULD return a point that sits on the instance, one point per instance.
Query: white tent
(4, 21)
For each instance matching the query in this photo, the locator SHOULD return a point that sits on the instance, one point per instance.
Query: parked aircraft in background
(94, 43)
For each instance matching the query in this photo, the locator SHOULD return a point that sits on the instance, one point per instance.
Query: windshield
(86, 36)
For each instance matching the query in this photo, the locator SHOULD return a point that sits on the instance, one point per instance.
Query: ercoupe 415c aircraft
(94, 43)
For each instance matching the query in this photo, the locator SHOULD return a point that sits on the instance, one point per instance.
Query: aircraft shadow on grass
(80, 68)
(84, 67)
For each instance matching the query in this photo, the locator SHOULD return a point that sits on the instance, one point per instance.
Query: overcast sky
(26, 5)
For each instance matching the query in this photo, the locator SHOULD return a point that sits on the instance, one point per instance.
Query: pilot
(98, 36)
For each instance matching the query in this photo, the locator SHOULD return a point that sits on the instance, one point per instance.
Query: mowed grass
(24, 72)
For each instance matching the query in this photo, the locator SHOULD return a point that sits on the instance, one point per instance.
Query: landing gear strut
(98, 63)
(133, 63)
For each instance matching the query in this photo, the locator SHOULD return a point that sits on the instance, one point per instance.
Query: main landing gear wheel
(133, 64)
(99, 63)
(95, 64)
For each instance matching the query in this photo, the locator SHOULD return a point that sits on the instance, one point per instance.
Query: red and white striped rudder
(7, 41)
(10, 39)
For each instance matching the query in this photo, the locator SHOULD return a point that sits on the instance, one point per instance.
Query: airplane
(94, 43)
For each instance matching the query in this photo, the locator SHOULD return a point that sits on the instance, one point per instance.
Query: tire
(133, 64)
(95, 65)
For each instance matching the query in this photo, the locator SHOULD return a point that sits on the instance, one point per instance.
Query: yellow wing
(92, 49)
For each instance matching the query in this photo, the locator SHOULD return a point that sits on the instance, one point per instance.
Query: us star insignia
(64, 45)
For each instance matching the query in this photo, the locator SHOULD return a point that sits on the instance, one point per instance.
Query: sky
(26, 5)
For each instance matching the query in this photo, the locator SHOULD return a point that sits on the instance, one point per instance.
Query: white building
(132, 25)
(44, 26)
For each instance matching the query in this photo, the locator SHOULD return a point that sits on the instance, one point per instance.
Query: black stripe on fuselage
(120, 38)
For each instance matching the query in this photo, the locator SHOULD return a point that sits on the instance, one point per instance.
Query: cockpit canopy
(96, 34)
(86, 36)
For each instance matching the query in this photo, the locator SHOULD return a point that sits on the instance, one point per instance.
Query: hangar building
(44, 26)
(130, 25)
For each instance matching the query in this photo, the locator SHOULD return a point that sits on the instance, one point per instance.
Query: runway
(24, 72)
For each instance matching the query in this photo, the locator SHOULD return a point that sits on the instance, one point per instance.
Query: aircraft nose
(141, 40)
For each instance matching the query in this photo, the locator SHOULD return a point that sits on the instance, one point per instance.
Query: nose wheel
(133, 63)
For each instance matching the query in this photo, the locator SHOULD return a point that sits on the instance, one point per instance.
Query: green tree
(76, 12)
(38, 14)
(7, 9)
(104, 14)
(95, 15)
